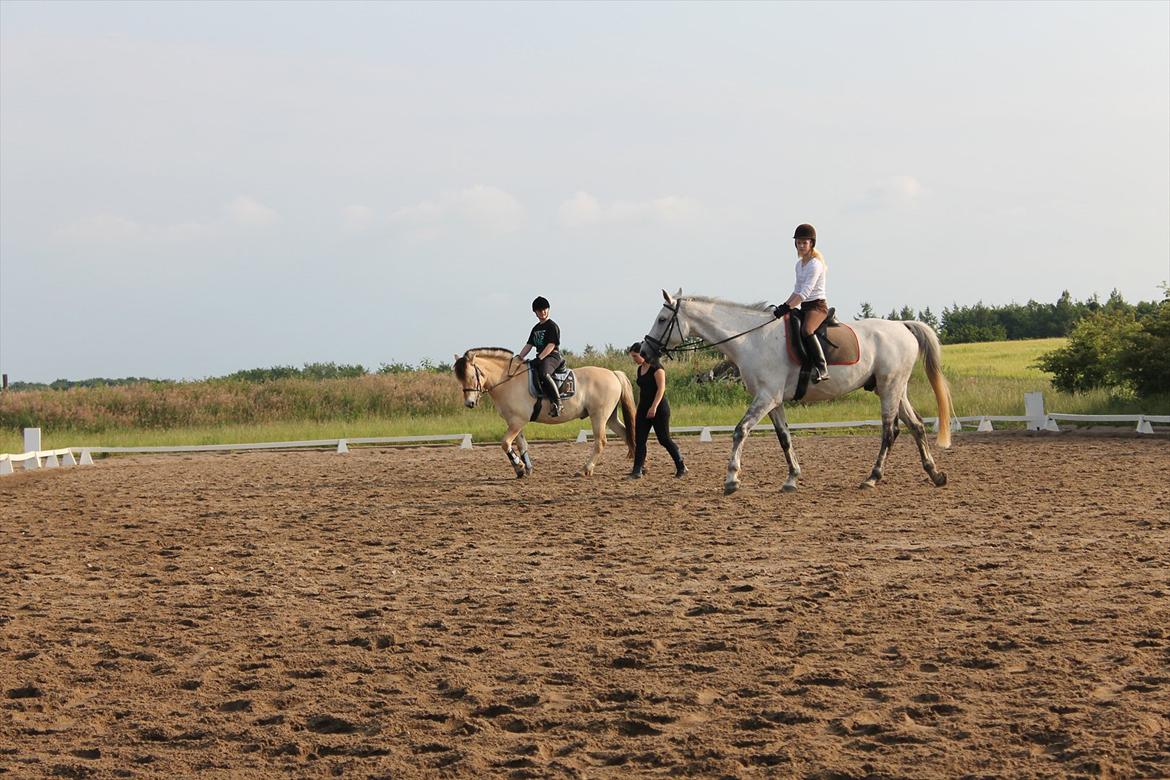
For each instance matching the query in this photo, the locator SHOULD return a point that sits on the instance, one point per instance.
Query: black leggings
(660, 422)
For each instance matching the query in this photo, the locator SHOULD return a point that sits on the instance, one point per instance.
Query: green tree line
(1012, 321)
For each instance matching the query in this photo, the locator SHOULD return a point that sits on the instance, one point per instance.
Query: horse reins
(479, 388)
(662, 349)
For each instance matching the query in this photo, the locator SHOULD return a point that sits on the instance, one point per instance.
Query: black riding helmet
(539, 302)
(806, 231)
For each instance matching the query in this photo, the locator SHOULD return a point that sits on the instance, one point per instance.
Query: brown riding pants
(814, 313)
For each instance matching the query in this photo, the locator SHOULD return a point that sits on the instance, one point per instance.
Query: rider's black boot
(553, 395)
(812, 345)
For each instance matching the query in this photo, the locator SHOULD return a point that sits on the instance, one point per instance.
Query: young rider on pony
(546, 338)
(809, 295)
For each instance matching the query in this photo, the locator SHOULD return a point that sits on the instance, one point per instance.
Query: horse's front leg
(760, 406)
(598, 423)
(524, 456)
(514, 428)
(780, 423)
(890, 403)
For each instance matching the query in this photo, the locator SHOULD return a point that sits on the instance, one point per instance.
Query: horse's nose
(469, 403)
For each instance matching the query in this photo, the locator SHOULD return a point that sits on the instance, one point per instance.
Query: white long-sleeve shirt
(810, 280)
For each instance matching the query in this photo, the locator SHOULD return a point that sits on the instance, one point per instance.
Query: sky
(191, 189)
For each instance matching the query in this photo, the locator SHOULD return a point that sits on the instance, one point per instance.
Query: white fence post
(1144, 425)
(705, 434)
(32, 443)
(582, 436)
(985, 426)
(342, 447)
(1034, 411)
(466, 443)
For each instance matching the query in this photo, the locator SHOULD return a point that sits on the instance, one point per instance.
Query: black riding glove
(781, 310)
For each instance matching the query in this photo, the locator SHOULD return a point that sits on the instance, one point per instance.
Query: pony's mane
(461, 362)
(758, 306)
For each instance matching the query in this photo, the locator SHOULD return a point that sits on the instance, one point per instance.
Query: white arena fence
(34, 457)
(1035, 418)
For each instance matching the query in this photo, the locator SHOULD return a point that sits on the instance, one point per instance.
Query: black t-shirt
(648, 386)
(544, 333)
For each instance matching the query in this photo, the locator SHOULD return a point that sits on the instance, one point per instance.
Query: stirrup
(819, 375)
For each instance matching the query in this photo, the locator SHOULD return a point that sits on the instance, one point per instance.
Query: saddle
(838, 341)
(563, 377)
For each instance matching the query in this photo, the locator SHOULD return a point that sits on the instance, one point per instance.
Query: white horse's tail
(931, 352)
(629, 412)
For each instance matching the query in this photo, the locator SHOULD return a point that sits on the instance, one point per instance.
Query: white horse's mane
(758, 306)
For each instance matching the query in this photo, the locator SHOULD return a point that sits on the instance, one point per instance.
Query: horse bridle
(659, 345)
(478, 382)
(479, 388)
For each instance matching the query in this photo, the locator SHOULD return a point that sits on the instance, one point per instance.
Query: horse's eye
(662, 319)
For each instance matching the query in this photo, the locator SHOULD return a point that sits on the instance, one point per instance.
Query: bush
(1112, 348)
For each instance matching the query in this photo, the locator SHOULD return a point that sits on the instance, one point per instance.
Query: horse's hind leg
(598, 446)
(913, 421)
(524, 456)
(780, 423)
(760, 406)
(890, 401)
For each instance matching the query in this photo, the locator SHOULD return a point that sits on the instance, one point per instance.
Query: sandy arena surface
(420, 613)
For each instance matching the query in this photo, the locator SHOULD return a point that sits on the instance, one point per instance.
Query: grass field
(987, 378)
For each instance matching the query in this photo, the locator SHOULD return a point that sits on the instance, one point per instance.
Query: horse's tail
(629, 411)
(931, 352)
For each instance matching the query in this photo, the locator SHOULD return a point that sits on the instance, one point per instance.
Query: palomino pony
(500, 374)
(753, 339)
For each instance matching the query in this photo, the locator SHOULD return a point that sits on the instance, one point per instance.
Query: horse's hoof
(939, 478)
(520, 475)
(730, 487)
(788, 488)
(869, 483)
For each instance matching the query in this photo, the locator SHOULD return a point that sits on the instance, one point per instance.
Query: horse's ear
(666, 297)
(456, 357)
(678, 294)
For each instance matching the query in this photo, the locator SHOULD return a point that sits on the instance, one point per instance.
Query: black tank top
(648, 387)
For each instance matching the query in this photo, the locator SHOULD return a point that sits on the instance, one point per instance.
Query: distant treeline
(1031, 320)
(309, 371)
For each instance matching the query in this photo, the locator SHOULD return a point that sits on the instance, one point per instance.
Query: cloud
(355, 219)
(891, 193)
(482, 208)
(114, 229)
(103, 228)
(250, 212)
(583, 211)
